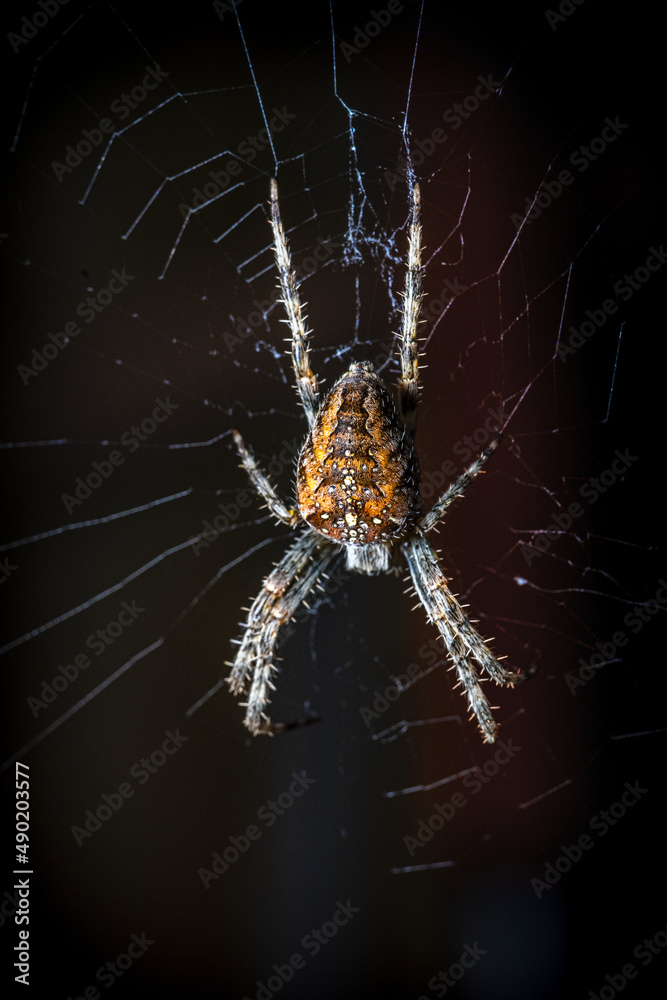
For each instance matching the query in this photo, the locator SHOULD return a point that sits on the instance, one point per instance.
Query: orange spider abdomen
(358, 476)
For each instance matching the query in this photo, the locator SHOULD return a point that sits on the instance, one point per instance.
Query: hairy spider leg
(283, 590)
(428, 521)
(263, 485)
(306, 381)
(462, 641)
(408, 386)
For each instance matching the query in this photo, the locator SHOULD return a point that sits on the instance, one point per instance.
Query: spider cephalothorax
(357, 488)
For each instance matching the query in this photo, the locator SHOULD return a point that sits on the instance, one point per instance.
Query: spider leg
(463, 643)
(437, 512)
(408, 385)
(282, 592)
(263, 485)
(306, 381)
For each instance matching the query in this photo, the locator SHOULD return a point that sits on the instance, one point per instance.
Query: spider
(358, 488)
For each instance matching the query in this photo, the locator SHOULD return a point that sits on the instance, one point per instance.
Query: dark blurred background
(340, 848)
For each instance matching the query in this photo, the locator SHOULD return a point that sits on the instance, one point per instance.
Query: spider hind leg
(281, 594)
(462, 641)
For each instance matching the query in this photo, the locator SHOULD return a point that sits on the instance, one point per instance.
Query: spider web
(141, 148)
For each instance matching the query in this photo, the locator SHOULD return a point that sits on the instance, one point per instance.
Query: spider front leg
(408, 385)
(262, 484)
(306, 381)
(462, 641)
(282, 592)
(437, 512)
